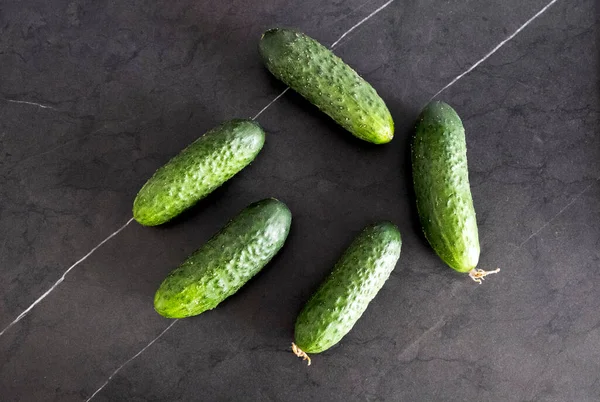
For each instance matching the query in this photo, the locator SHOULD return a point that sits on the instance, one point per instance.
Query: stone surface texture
(95, 95)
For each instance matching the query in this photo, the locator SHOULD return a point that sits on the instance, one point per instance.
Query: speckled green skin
(344, 296)
(441, 180)
(226, 262)
(325, 80)
(198, 170)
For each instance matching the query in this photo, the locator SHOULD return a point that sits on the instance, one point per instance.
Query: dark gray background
(118, 87)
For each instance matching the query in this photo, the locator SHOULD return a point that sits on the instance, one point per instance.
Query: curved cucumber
(325, 80)
(341, 300)
(226, 262)
(441, 180)
(198, 170)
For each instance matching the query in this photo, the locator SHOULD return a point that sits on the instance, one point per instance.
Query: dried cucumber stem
(300, 353)
(478, 275)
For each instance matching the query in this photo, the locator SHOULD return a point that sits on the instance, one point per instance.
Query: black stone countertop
(95, 95)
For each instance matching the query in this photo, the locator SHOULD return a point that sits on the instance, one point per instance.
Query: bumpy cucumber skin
(226, 262)
(357, 277)
(441, 182)
(198, 170)
(325, 80)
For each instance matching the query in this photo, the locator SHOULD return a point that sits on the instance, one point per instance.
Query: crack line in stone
(495, 49)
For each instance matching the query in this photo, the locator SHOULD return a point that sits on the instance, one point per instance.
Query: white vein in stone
(131, 359)
(495, 49)
(410, 352)
(270, 103)
(563, 209)
(62, 278)
(31, 103)
(359, 23)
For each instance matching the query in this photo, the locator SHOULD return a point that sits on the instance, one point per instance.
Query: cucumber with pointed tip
(317, 74)
(344, 296)
(198, 170)
(226, 262)
(441, 182)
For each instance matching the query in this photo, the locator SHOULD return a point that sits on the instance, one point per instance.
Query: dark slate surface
(95, 95)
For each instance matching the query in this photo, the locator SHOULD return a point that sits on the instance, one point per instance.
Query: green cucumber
(443, 195)
(226, 262)
(325, 80)
(344, 296)
(197, 171)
